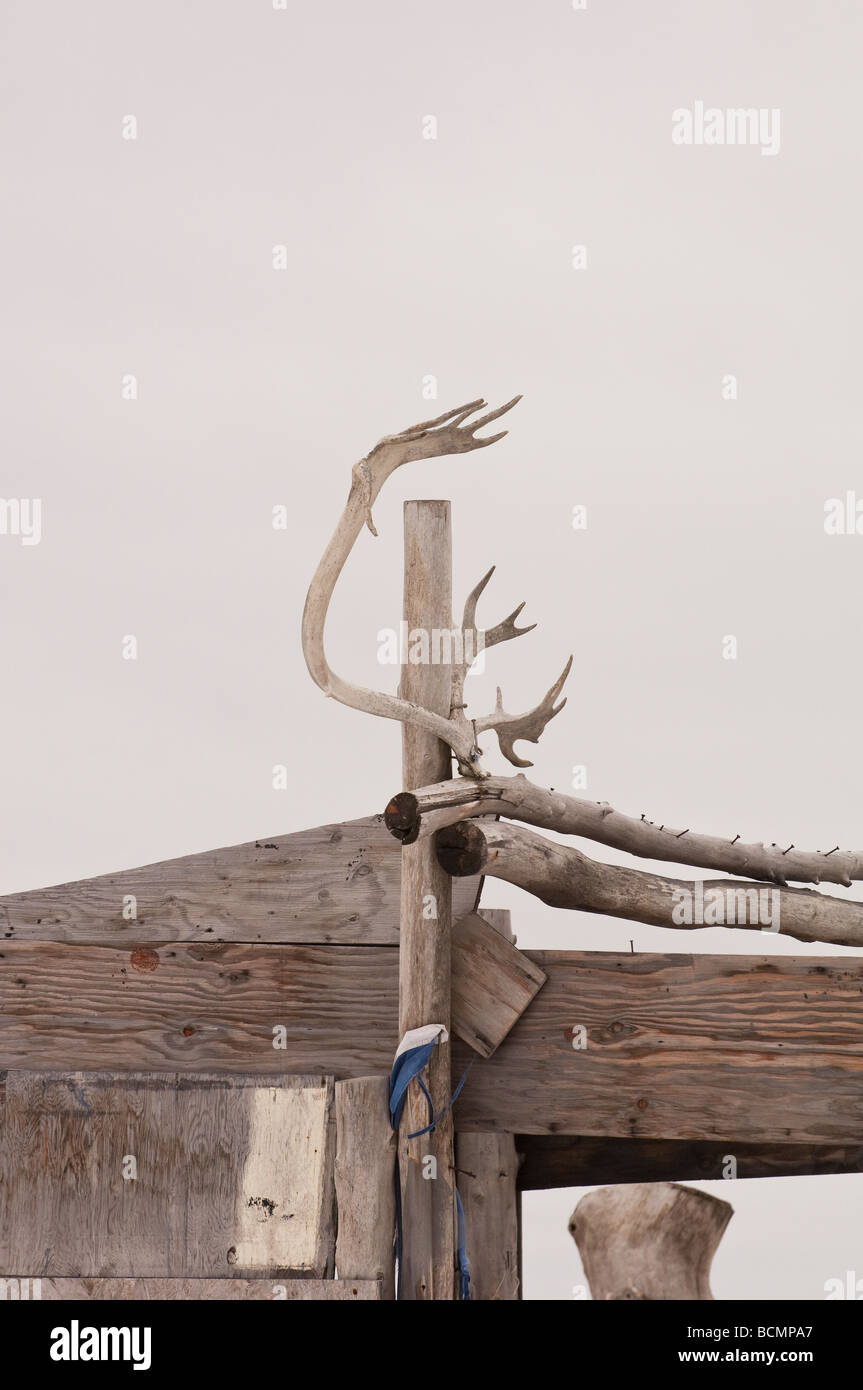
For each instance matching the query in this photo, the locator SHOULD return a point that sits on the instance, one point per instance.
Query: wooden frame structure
(247, 995)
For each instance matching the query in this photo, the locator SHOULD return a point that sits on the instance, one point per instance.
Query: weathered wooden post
(365, 1190)
(486, 1171)
(426, 1163)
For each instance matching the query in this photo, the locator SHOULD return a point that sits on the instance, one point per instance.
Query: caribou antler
(473, 642)
(447, 434)
(510, 727)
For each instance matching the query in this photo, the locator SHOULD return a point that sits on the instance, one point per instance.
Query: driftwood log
(413, 815)
(562, 876)
(649, 1241)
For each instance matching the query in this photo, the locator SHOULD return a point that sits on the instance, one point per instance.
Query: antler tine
(469, 619)
(494, 414)
(504, 631)
(452, 417)
(510, 727)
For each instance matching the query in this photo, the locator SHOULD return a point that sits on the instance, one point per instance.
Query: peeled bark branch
(562, 876)
(411, 815)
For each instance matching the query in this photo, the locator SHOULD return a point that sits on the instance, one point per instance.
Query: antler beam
(446, 434)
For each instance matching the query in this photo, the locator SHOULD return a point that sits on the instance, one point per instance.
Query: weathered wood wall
(167, 1174)
(269, 1290)
(785, 1033)
(338, 883)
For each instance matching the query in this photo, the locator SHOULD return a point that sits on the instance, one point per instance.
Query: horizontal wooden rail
(334, 883)
(747, 1048)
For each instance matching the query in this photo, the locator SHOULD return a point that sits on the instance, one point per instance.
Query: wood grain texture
(334, 883)
(747, 1048)
(365, 1182)
(196, 1007)
(232, 1175)
(427, 1269)
(487, 1167)
(766, 1049)
(186, 1290)
(566, 1160)
(493, 982)
(501, 919)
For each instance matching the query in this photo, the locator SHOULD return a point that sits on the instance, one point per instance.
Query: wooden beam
(26, 1287)
(195, 1007)
(425, 952)
(335, 883)
(158, 1175)
(573, 1160)
(759, 1049)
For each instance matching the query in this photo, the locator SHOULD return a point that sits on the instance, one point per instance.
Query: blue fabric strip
(408, 1067)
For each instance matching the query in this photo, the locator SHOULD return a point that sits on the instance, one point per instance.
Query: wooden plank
(195, 1007)
(727, 1048)
(334, 883)
(501, 919)
(567, 1160)
(493, 982)
(761, 1048)
(427, 1267)
(231, 1176)
(365, 1182)
(487, 1167)
(143, 1290)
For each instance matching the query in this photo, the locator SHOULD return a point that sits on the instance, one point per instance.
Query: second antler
(447, 434)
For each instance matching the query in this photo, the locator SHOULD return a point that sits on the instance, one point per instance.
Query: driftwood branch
(562, 876)
(411, 815)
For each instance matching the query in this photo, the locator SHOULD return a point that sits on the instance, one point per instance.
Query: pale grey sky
(451, 257)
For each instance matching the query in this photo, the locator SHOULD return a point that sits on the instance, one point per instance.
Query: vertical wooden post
(487, 1172)
(364, 1171)
(428, 1203)
(487, 1168)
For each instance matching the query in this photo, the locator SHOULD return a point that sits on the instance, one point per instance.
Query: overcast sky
(407, 258)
